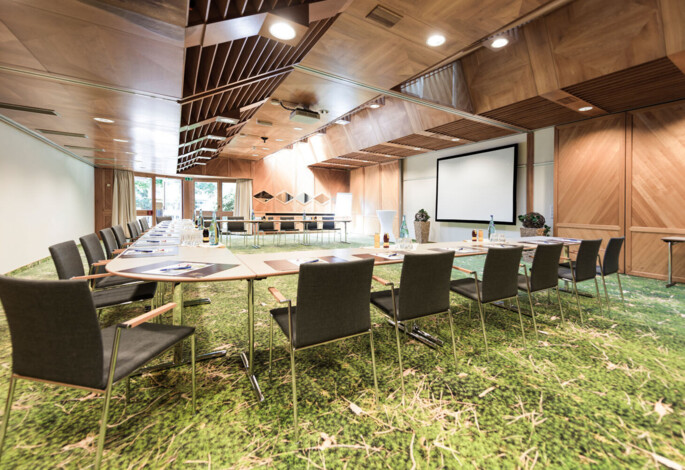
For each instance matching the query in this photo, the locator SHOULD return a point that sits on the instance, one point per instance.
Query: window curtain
(123, 199)
(243, 199)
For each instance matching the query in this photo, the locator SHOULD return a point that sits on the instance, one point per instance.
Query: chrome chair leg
(108, 396)
(575, 291)
(620, 288)
(373, 364)
(292, 369)
(599, 298)
(532, 313)
(454, 344)
(523, 331)
(193, 374)
(399, 356)
(6, 417)
(481, 307)
(271, 341)
(561, 310)
(606, 294)
(128, 390)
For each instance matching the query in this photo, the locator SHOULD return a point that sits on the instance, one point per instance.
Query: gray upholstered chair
(500, 282)
(329, 227)
(311, 226)
(582, 269)
(144, 225)
(68, 262)
(424, 291)
(110, 241)
(134, 230)
(56, 339)
(236, 227)
(332, 305)
(610, 265)
(267, 228)
(163, 218)
(287, 226)
(543, 275)
(97, 261)
(120, 235)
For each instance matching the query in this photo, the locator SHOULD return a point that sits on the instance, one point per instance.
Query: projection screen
(472, 186)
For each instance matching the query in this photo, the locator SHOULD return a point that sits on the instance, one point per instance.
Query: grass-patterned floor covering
(606, 394)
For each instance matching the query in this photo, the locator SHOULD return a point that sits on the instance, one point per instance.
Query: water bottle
(404, 232)
(491, 228)
(212, 230)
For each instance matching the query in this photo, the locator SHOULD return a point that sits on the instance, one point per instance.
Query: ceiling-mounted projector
(304, 116)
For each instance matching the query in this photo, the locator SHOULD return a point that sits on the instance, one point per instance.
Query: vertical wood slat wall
(373, 188)
(624, 175)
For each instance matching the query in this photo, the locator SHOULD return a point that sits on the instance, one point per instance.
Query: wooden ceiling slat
(206, 64)
(470, 130)
(250, 45)
(220, 64)
(534, 113)
(236, 51)
(268, 64)
(396, 151)
(251, 61)
(424, 142)
(264, 58)
(191, 68)
(222, 6)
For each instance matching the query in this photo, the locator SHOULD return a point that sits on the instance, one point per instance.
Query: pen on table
(310, 261)
(176, 268)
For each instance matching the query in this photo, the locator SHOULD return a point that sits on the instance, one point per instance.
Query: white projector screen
(473, 186)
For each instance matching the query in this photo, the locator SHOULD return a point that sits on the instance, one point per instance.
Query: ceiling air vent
(28, 109)
(65, 134)
(384, 16)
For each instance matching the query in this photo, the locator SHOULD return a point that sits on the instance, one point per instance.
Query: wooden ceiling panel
(470, 130)
(425, 142)
(648, 84)
(396, 151)
(534, 113)
(369, 157)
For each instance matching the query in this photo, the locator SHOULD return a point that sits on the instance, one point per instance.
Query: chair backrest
(425, 284)
(235, 226)
(93, 248)
(500, 273)
(133, 229)
(612, 255)
(266, 226)
(67, 259)
(119, 235)
(144, 226)
(545, 269)
(312, 225)
(109, 240)
(54, 331)
(586, 259)
(287, 224)
(333, 301)
(163, 218)
(328, 223)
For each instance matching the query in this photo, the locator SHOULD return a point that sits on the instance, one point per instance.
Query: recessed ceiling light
(282, 30)
(279, 140)
(297, 128)
(104, 120)
(129, 153)
(585, 108)
(374, 106)
(456, 139)
(265, 148)
(436, 40)
(255, 155)
(227, 120)
(343, 121)
(417, 148)
(120, 140)
(499, 42)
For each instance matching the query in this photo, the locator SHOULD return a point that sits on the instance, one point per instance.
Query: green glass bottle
(491, 228)
(213, 238)
(404, 232)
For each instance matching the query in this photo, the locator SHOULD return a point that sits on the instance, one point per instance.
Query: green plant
(547, 229)
(422, 216)
(532, 220)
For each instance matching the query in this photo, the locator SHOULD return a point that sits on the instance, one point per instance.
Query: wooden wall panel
(656, 171)
(104, 186)
(589, 179)
(390, 191)
(373, 188)
(357, 190)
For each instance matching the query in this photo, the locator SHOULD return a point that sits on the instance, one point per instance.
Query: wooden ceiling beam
(238, 84)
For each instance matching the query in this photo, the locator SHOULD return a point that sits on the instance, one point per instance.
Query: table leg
(670, 265)
(248, 360)
(255, 236)
(178, 318)
(345, 223)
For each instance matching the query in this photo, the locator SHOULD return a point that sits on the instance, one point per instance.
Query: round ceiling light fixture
(499, 43)
(374, 106)
(436, 40)
(585, 108)
(282, 31)
(104, 120)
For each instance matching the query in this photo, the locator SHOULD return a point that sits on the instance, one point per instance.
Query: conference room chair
(287, 226)
(163, 218)
(120, 235)
(144, 225)
(134, 230)
(97, 260)
(267, 228)
(68, 263)
(499, 283)
(610, 265)
(311, 226)
(235, 227)
(424, 291)
(543, 275)
(329, 227)
(332, 305)
(110, 242)
(56, 340)
(582, 269)
(141, 227)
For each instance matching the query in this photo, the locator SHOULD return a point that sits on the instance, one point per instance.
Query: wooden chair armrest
(118, 250)
(93, 276)
(382, 281)
(101, 263)
(467, 271)
(277, 295)
(128, 243)
(564, 258)
(133, 322)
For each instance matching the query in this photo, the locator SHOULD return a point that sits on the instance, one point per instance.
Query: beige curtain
(123, 199)
(243, 198)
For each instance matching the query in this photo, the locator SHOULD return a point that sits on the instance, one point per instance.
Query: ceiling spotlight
(227, 120)
(297, 128)
(265, 148)
(499, 43)
(104, 120)
(120, 140)
(417, 148)
(585, 108)
(282, 30)
(436, 40)
(343, 121)
(456, 139)
(255, 155)
(374, 106)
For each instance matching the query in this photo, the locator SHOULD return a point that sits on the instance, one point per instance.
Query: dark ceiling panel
(470, 130)
(534, 113)
(425, 142)
(390, 150)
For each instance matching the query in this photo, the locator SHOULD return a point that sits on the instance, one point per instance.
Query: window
(168, 197)
(228, 197)
(206, 195)
(143, 193)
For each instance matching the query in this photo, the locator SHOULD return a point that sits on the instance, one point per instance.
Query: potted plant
(533, 225)
(422, 226)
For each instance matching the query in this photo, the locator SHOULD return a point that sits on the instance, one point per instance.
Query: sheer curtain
(123, 198)
(243, 198)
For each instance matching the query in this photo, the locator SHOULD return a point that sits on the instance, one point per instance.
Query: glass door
(169, 197)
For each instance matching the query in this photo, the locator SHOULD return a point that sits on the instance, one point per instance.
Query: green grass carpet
(606, 394)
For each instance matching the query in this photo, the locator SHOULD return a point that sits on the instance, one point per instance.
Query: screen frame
(514, 201)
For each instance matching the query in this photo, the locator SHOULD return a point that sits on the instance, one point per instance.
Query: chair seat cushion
(383, 300)
(465, 287)
(123, 294)
(111, 281)
(523, 285)
(565, 273)
(138, 346)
